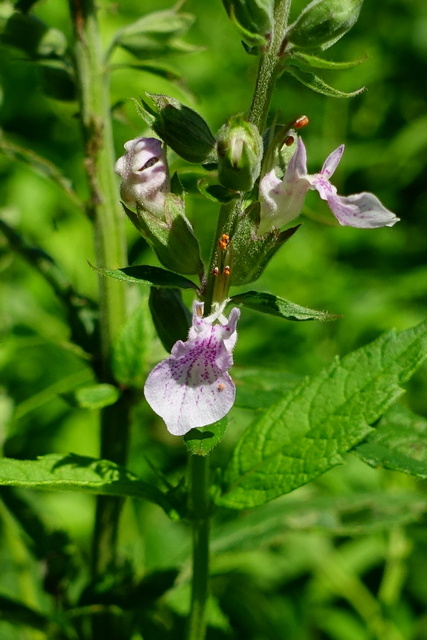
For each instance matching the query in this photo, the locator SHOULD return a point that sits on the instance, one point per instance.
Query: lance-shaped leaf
(318, 85)
(275, 306)
(305, 61)
(145, 274)
(70, 472)
(326, 415)
(398, 443)
(19, 614)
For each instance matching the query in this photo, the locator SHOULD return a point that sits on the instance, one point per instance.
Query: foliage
(341, 558)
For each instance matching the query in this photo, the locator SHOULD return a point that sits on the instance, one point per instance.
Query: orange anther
(301, 122)
(227, 270)
(288, 141)
(223, 241)
(215, 271)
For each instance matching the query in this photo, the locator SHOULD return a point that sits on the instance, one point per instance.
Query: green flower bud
(253, 18)
(183, 129)
(239, 150)
(322, 23)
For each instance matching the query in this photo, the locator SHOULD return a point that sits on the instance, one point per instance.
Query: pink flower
(144, 173)
(192, 388)
(282, 200)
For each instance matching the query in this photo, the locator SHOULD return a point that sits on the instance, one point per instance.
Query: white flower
(192, 388)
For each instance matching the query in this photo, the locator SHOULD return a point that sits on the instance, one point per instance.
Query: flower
(282, 200)
(192, 388)
(144, 173)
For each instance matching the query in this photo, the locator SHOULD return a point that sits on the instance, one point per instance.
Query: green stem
(199, 505)
(269, 67)
(103, 208)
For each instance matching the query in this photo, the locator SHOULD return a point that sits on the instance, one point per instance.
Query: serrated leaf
(201, 440)
(129, 349)
(70, 472)
(318, 85)
(279, 307)
(261, 388)
(398, 443)
(145, 274)
(326, 415)
(306, 61)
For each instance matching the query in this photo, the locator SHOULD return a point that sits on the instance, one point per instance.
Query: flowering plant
(166, 369)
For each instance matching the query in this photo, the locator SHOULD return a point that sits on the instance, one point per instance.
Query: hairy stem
(199, 505)
(103, 209)
(269, 67)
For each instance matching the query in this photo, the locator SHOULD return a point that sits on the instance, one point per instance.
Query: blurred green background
(337, 580)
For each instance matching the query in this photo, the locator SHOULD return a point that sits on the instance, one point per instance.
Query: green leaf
(261, 388)
(96, 396)
(129, 355)
(306, 61)
(398, 443)
(145, 274)
(320, 86)
(201, 440)
(70, 472)
(171, 317)
(275, 306)
(348, 515)
(324, 416)
(156, 34)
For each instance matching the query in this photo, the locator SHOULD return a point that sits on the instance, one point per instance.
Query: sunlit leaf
(275, 306)
(307, 432)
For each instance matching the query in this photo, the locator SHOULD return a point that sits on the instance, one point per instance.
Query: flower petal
(282, 200)
(362, 210)
(192, 387)
(332, 161)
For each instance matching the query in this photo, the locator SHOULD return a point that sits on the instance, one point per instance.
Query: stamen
(301, 122)
(224, 241)
(149, 163)
(227, 270)
(215, 271)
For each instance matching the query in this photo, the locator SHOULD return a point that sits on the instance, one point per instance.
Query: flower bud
(183, 129)
(144, 173)
(322, 23)
(239, 149)
(253, 18)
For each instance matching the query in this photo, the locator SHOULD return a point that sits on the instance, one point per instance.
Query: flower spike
(192, 388)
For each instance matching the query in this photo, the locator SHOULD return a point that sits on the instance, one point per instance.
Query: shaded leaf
(275, 306)
(398, 443)
(324, 416)
(70, 472)
(349, 515)
(145, 274)
(171, 317)
(20, 614)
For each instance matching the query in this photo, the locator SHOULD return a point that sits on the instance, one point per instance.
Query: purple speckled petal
(362, 210)
(331, 162)
(192, 388)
